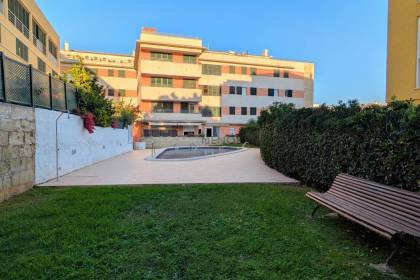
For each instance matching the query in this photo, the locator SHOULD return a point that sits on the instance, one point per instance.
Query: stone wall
(17, 149)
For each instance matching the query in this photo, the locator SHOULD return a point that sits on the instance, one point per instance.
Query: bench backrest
(399, 207)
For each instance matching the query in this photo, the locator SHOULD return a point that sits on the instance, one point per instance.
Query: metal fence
(24, 85)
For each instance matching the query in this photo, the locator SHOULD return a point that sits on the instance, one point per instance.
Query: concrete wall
(77, 148)
(17, 138)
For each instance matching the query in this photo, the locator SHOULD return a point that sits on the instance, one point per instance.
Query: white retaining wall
(77, 148)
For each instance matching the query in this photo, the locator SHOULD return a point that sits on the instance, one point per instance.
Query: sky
(346, 40)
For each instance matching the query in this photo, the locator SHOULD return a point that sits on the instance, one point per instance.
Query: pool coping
(154, 157)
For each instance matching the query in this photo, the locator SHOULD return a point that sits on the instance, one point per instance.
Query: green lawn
(190, 232)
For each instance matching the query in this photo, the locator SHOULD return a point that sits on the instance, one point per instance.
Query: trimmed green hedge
(250, 133)
(315, 144)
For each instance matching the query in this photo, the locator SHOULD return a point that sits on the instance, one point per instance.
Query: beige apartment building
(27, 36)
(186, 90)
(115, 72)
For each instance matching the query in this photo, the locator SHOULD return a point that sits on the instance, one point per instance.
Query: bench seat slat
(386, 234)
(382, 209)
(371, 183)
(375, 196)
(379, 215)
(396, 216)
(396, 196)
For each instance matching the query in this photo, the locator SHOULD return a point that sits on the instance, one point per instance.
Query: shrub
(315, 144)
(250, 133)
(125, 113)
(90, 97)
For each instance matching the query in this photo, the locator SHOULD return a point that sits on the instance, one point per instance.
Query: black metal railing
(21, 84)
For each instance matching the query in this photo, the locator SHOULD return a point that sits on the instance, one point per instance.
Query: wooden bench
(390, 212)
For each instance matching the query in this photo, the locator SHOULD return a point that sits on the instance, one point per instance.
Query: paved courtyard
(131, 168)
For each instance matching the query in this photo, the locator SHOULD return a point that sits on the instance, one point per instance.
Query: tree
(90, 97)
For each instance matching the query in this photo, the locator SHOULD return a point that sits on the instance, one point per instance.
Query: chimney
(265, 53)
(148, 30)
(66, 46)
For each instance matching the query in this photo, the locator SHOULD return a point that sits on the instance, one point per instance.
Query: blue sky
(345, 39)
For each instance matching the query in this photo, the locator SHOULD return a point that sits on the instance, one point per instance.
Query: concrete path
(131, 168)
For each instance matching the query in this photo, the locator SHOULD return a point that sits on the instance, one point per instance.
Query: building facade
(403, 65)
(115, 72)
(27, 36)
(186, 90)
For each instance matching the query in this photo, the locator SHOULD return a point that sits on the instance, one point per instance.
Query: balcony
(171, 94)
(165, 68)
(52, 58)
(19, 25)
(40, 46)
(181, 118)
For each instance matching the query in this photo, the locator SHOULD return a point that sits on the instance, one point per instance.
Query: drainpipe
(56, 141)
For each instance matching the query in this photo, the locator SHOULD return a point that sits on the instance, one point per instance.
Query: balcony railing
(39, 45)
(19, 25)
(52, 58)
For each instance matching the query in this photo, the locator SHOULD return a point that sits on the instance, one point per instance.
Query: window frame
(232, 111)
(244, 111)
(253, 89)
(187, 58)
(160, 82)
(161, 56)
(253, 111)
(271, 92)
(22, 50)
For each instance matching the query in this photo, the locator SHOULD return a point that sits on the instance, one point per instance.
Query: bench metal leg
(314, 211)
(396, 248)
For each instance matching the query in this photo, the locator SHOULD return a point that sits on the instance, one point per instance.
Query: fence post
(50, 88)
(65, 96)
(3, 76)
(31, 86)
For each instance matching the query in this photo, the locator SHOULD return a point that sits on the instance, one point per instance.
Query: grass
(174, 232)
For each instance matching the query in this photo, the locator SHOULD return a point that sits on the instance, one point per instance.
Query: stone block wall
(17, 149)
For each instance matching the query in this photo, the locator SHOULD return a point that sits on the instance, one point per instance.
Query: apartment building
(187, 90)
(27, 36)
(115, 72)
(403, 69)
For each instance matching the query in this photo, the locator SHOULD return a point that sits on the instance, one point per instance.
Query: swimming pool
(190, 153)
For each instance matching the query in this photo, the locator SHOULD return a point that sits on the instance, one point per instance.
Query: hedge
(250, 134)
(313, 145)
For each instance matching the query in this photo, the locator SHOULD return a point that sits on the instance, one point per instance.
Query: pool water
(193, 152)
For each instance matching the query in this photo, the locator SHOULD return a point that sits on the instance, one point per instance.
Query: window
(239, 90)
(191, 59)
(253, 71)
(253, 91)
(161, 56)
(121, 93)
(276, 73)
(161, 82)
(110, 72)
(111, 92)
(21, 50)
(243, 70)
(270, 92)
(288, 93)
(232, 69)
(212, 69)
(209, 112)
(244, 111)
(231, 131)
(52, 48)
(162, 107)
(253, 111)
(231, 90)
(286, 74)
(187, 107)
(189, 83)
(39, 37)
(41, 65)
(121, 73)
(231, 110)
(211, 91)
(19, 16)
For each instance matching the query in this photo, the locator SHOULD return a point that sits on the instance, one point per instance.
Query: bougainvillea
(89, 122)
